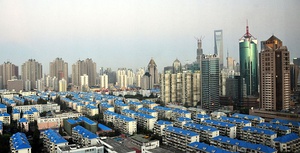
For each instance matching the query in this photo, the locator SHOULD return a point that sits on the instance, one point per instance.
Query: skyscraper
(274, 75)
(177, 68)
(248, 64)
(8, 71)
(210, 78)
(31, 72)
(199, 50)
(80, 68)
(152, 69)
(91, 71)
(59, 69)
(218, 39)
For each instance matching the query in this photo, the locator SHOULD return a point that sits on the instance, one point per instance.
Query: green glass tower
(248, 65)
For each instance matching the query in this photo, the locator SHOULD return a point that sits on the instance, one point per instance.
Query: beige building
(82, 67)
(8, 71)
(31, 72)
(59, 69)
(274, 75)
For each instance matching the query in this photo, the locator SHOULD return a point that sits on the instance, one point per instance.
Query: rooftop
(218, 123)
(202, 116)
(287, 138)
(86, 120)
(207, 148)
(200, 127)
(247, 117)
(182, 119)
(103, 127)
(3, 106)
(258, 130)
(234, 120)
(273, 126)
(162, 122)
(176, 110)
(54, 137)
(180, 131)
(162, 108)
(144, 109)
(84, 132)
(19, 141)
(4, 114)
(285, 122)
(23, 120)
(16, 111)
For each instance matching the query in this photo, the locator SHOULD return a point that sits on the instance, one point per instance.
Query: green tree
(4, 141)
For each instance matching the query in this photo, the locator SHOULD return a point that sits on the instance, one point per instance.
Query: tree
(4, 141)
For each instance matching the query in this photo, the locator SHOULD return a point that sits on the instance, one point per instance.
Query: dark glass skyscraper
(218, 39)
(248, 64)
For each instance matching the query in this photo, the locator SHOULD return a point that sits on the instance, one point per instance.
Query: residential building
(8, 71)
(240, 123)
(44, 123)
(149, 104)
(16, 85)
(125, 124)
(152, 69)
(236, 145)
(52, 140)
(105, 106)
(82, 67)
(210, 78)
(255, 120)
(73, 148)
(62, 85)
(160, 125)
(178, 138)
(180, 121)
(15, 114)
(31, 72)
(258, 135)
(176, 113)
(5, 118)
(163, 112)
(133, 105)
(19, 143)
(144, 121)
(293, 125)
(200, 147)
(275, 87)
(200, 117)
(59, 69)
(226, 129)
(1, 127)
(104, 81)
(288, 143)
(120, 106)
(148, 111)
(84, 137)
(279, 129)
(205, 132)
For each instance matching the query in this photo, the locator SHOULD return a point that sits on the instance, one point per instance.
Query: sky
(128, 33)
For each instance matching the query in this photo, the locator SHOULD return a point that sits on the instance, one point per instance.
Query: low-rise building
(163, 112)
(205, 132)
(84, 137)
(5, 118)
(73, 148)
(293, 125)
(149, 104)
(180, 121)
(255, 120)
(133, 105)
(144, 121)
(44, 123)
(3, 108)
(204, 148)
(148, 111)
(178, 138)
(258, 135)
(105, 106)
(241, 146)
(19, 143)
(279, 129)
(52, 140)
(120, 106)
(24, 124)
(123, 123)
(201, 117)
(226, 129)
(91, 110)
(240, 123)
(288, 143)
(15, 114)
(29, 116)
(88, 124)
(1, 127)
(195, 111)
(160, 125)
(176, 113)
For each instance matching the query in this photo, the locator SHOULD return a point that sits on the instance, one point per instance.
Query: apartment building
(240, 123)
(149, 104)
(52, 140)
(258, 135)
(201, 117)
(19, 143)
(3, 108)
(279, 129)
(48, 123)
(105, 106)
(226, 129)
(148, 111)
(120, 106)
(293, 125)
(178, 138)
(180, 121)
(288, 143)
(5, 118)
(125, 124)
(15, 114)
(205, 132)
(160, 125)
(29, 116)
(176, 113)
(144, 121)
(200, 147)
(255, 120)
(133, 105)
(24, 124)
(195, 111)
(84, 137)
(163, 112)
(241, 146)
(91, 110)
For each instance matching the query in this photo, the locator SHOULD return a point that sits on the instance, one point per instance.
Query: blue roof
(234, 120)
(106, 105)
(134, 103)
(247, 117)
(120, 103)
(148, 110)
(16, 111)
(162, 108)
(147, 102)
(244, 144)
(19, 141)
(103, 127)
(182, 119)
(218, 123)
(258, 130)
(147, 116)
(120, 116)
(23, 120)
(285, 122)
(181, 131)
(287, 138)
(3, 106)
(4, 114)
(54, 137)
(180, 111)
(33, 109)
(273, 126)
(72, 121)
(207, 148)
(28, 112)
(162, 122)
(84, 132)
(129, 111)
(1, 125)
(200, 127)
(91, 107)
(86, 120)
(202, 116)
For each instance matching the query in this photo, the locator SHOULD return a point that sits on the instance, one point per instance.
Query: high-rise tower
(274, 75)
(31, 72)
(248, 64)
(199, 50)
(59, 69)
(8, 71)
(218, 39)
(152, 69)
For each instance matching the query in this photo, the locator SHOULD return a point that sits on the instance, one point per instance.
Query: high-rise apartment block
(248, 65)
(210, 98)
(218, 40)
(152, 69)
(8, 71)
(31, 72)
(59, 69)
(80, 68)
(274, 75)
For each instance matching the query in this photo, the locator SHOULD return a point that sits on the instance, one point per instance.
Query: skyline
(128, 34)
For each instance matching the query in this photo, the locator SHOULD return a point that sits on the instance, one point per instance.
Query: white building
(226, 129)
(205, 132)
(84, 137)
(180, 121)
(62, 85)
(5, 118)
(123, 123)
(19, 143)
(52, 140)
(160, 125)
(258, 135)
(288, 143)
(163, 112)
(104, 81)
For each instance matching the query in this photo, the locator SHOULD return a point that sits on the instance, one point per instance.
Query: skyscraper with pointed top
(152, 69)
(248, 64)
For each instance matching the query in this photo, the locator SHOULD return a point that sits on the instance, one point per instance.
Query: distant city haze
(129, 33)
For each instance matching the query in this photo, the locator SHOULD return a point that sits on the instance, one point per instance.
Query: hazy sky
(127, 33)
